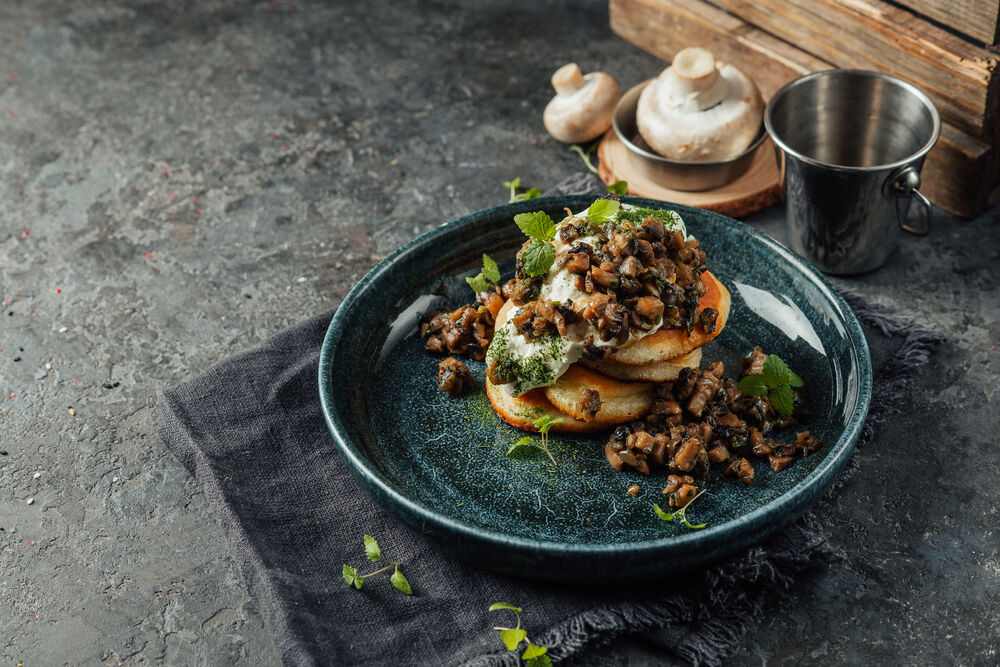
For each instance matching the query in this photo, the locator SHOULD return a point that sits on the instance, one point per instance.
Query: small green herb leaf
(490, 269)
(585, 156)
(503, 605)
(666, 516)
(537, 258)
(776, 371)
(371, 549)
(603, 210)
(399, 581)
(537, 225)
(349, 574)
(681, 514)
(544, 423)
(478, 283)
(619, 188)
(540, 661)
(514, 184)
(512, 637)
(515, 448)
(753, 385)
(795, 380)
(533, 651)
(783, 399)
(533, 193)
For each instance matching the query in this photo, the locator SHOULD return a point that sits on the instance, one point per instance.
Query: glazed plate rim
(789, 503)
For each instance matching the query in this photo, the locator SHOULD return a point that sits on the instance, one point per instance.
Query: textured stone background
(180, 180)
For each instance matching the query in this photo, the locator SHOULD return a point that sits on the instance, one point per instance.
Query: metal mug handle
(900, 186)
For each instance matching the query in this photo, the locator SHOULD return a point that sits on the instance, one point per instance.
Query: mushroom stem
(696, 79)
(568, 79)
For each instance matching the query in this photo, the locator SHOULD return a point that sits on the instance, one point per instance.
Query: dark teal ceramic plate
(438, 464)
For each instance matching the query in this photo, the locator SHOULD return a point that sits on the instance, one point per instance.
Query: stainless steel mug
(851, 144)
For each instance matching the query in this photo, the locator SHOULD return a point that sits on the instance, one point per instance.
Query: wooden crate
(962, 78)
(961, 172)
(979, 19)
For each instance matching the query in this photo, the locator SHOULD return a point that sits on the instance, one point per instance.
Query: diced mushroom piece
(719, 454)
(778, 463)
(590, 404)
(453, 376)
(649, 307)
(633, 490)
(707, 319)
(704, 388)
(684, 495)
(687, 454)
(742, 469)
(579, 262)
(754, 362)
(612, 456)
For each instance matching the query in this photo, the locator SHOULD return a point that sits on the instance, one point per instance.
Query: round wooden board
(758, 188)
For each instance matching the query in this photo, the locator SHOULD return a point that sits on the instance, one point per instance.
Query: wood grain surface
(959, 76)
(976, 18)
(758, 188)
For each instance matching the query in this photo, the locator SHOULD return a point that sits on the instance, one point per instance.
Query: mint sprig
(680, 515)
(514, 185)
(775, 381)
(619, 187)
(533, 654)
(537, 258)
(603, 210)
(537, 225)
(488, 277)
(374, 554)
(585, 155)
(543, 424)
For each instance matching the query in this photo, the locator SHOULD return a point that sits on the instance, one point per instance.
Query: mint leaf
(399, 581)
(478, 283)
(795, 380)
(602, 210)
(514, 184)
(503, 605)
(619, 188)
(491, 271)
(540, 661)
(371, 549)
(753, 385)
(782, 399)
(512, 637)
(533, 651)
(776, 371)
(544, 423)
(666, 516)
(533, 193)
(523, 442)
(349, 574)
(537, 258)
(537, 225)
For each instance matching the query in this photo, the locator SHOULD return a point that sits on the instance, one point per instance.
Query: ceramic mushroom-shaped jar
(699, 110)
(582, 107)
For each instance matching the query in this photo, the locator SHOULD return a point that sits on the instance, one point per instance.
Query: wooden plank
(959, 173)
(978, 19)
(959, 76)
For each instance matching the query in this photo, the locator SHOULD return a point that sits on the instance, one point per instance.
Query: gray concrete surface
(180, 180)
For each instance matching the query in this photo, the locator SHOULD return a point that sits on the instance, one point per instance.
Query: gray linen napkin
(251, 431)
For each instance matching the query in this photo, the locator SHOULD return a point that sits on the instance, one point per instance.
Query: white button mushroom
(582, 107)
(698, 110)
